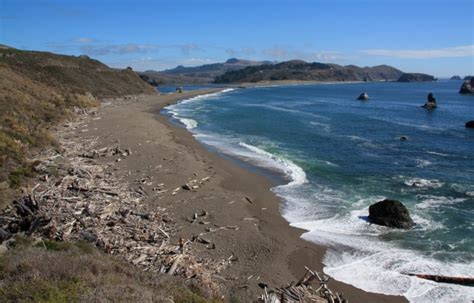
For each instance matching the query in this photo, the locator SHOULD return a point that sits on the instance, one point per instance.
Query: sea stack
(390, 213)
(430, 102)
(467, 87)
(364, 97)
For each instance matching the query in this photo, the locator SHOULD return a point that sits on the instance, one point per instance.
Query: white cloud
(450, 52)
(288, 53)
(149, 63)
(85, 40)
(187, 48)
(121, 49)
(240, 52)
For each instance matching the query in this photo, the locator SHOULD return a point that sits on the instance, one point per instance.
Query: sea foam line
(188, 122)
(296, 173)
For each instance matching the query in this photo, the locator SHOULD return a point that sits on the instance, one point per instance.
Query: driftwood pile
(303, 291)
(78, 198)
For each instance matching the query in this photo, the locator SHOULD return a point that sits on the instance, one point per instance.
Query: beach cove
(266, 248)
(327, 174)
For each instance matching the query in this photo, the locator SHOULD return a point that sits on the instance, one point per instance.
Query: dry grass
(39, 89)
(77, 272)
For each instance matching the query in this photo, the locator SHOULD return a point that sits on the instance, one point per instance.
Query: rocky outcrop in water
(455, 77)
(390, 213)
(467, 87)
(415, 77)
(430, 102)
(470, 124)
(364, 97)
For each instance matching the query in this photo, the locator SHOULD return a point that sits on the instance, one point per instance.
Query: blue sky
(431, 36)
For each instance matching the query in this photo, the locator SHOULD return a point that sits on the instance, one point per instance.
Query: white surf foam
(356, 256)
(292, 170)
(189, 123)
(421, 163)
(423, 183)
(437, 154)
(437, 201)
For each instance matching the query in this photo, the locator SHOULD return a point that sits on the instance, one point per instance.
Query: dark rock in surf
(467, 87)
(390, 213)
(403, 138)
(431, 102)
(470, 124)
(364, 97)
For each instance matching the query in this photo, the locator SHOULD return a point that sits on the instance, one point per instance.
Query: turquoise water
(340, 155)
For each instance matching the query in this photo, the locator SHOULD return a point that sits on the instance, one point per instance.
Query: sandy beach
(263, 247)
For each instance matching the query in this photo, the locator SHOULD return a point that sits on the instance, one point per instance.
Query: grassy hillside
(38, 89)
(301, 70)
(199, 74)
(51, 271)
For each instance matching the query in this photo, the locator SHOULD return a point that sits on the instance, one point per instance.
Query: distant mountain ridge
(304, 71)
(198, 74)
(416, 77)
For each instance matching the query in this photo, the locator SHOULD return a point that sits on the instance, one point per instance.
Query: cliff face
(416, 77)
(300, 70)
(38, 89)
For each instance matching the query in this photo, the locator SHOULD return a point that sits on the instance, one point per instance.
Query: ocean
(336, 155)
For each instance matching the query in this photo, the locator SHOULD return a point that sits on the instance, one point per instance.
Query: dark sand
(267, 248)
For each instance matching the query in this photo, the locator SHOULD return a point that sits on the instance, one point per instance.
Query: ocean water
(172, 88)
(338, 155)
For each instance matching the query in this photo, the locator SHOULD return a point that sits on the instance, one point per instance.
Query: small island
(416, 77)
(467, 87)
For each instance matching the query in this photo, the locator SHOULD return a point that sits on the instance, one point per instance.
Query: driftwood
(468, 281)
(302, 291)
(76, 197)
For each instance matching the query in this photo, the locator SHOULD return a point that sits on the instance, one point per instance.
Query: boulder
(430, 102)
(470, 124)
(390, 213)
(364, 96)
(467, 87)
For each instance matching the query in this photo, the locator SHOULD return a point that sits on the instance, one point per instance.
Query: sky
(428, 36)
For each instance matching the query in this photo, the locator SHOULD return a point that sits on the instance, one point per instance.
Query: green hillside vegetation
(39, 89)
(303, 71)
(198, 74)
